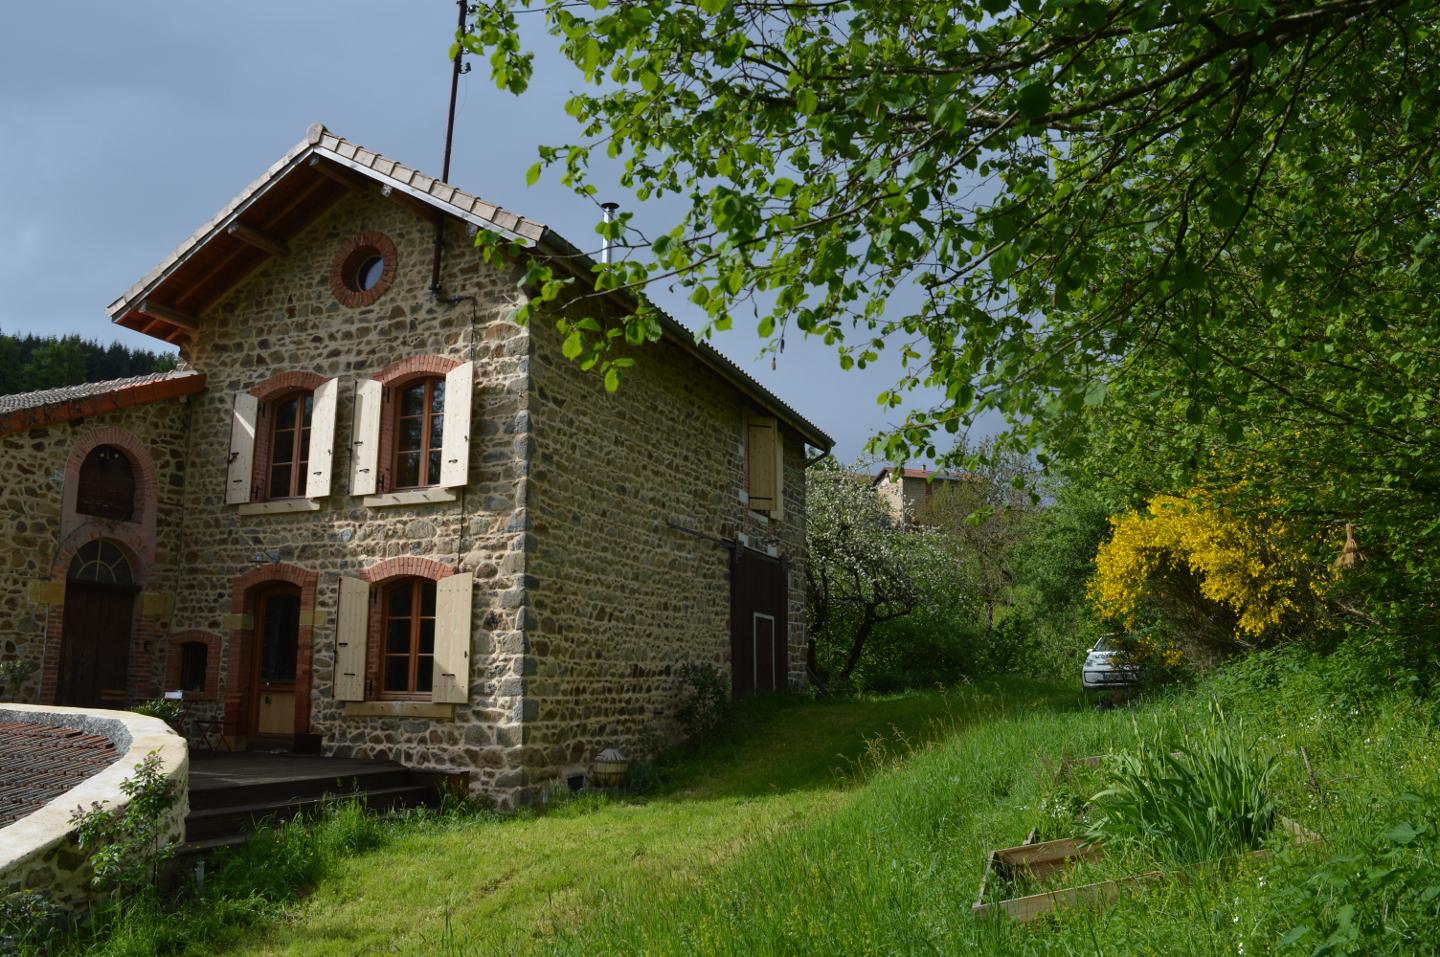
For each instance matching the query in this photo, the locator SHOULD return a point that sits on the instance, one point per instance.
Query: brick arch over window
(144, 628)
(240, 650)
(138, 531)
(411, 367)
(407, 566)
(212, 643)
(283, 382)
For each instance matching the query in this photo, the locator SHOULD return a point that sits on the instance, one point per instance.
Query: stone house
(370, 516)
(906, 491)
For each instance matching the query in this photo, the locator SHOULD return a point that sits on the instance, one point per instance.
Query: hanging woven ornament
(1350, 555)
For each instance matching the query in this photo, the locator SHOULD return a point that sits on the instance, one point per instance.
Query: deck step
(230, 795)
(237, 819)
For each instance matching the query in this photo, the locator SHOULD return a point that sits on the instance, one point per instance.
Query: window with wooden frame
(419, 433)
(291, 418)
(412, 434)
(282, 446)
(764, 465)
(407, 620)
(405, 638)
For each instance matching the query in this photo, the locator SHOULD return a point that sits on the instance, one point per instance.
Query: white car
(1104, 667)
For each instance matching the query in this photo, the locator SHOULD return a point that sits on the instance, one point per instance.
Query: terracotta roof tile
(85, 390)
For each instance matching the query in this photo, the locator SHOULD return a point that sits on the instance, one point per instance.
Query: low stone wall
(39, 852)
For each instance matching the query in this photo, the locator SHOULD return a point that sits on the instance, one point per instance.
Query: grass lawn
(512, 886)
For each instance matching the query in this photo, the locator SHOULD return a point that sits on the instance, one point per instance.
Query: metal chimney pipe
(609, 210)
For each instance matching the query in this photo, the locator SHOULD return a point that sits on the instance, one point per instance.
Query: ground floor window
(408, 609)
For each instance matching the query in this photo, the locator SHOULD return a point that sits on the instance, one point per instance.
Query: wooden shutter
(351, 625)
(455, 450)
(760, 468)
(241, 468)
(777, 511)
(452, 639)
(322, 439)
(365, 461)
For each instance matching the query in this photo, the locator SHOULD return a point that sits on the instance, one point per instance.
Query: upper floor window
(419, 433)
(282, 440)
(107, 484)
(764, 465)
(412, 430)
(288, 470)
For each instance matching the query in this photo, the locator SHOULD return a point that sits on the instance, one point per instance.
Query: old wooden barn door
(95, 637)
(759, 625)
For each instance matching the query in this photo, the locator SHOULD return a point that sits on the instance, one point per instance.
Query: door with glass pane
(277, 640)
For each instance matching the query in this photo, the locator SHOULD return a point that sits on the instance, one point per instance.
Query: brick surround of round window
(346, 269)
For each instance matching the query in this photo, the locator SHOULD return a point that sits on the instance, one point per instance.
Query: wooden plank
(365, 448)
(455, 447)
(760, 462)
(260, 240)
(338, 173)
(421, 210)
(240, 468)
(451, 683)
(173, 316)
(322, 439)
(352, 624)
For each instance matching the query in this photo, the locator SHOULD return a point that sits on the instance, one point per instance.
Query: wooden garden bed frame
(1051, 857)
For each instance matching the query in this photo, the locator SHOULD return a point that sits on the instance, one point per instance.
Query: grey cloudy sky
(123, 126)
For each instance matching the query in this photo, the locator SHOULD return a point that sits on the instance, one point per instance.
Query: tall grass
(1200, 800)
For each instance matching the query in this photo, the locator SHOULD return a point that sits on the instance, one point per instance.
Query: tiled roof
(322, 146)
(34, 409)
(919, 474)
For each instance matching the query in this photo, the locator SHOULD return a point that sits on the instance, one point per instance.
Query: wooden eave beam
(423, 211)
(173, 316)
(337, 173)
(260, 240)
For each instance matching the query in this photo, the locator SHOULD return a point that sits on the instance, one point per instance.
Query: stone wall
(285, 318)
(632, 495)
(41, 532)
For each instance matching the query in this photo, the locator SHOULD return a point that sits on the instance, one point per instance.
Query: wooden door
(95, 645)
(277, 648)
(759, 624)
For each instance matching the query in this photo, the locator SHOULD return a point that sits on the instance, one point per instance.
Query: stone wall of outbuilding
(42, 531)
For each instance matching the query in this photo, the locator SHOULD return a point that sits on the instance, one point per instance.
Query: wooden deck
(231, 792)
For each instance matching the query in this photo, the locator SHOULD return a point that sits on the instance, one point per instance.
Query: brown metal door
(95, 645)
(759, 592)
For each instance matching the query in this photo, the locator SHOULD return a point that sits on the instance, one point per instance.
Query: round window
(369, 272)
(363, 270)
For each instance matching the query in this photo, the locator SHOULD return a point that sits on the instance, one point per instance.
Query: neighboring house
(907, 491)
(371, 516)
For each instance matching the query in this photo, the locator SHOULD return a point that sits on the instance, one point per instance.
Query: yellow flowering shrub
(1247, 565)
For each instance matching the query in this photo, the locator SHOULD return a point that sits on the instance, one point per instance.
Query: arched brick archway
(139, 529)
(237, 692)
(143, 627)
(173, 655)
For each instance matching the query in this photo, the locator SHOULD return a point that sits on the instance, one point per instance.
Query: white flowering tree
(862, 569)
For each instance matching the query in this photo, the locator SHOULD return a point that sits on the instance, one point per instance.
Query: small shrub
(127, 846)
(29, 922)
(13, 675)
(1194, 802)
(704, 700)
(168, 711)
